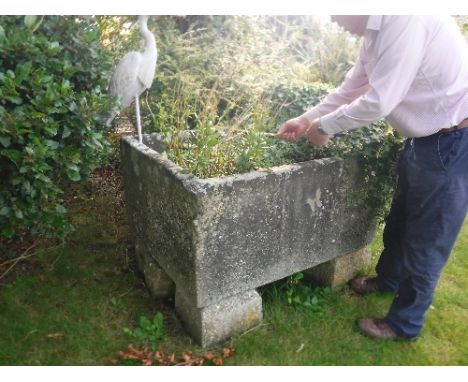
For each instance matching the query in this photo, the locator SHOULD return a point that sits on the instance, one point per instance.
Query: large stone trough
(218, 239)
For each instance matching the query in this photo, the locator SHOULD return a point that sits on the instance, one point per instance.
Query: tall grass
(215, 96)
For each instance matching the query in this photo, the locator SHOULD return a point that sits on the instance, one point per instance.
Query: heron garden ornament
(134, 74)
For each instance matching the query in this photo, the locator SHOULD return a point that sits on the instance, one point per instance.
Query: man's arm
(354, 85)
(397, 61)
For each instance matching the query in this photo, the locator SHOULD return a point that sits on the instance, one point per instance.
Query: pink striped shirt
(412, 70)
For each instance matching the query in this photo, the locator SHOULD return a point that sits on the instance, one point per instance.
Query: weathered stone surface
(221, 237)
(215, 323)
(159, 284)
(340, 269)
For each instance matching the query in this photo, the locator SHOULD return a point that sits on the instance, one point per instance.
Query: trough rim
(189, 180)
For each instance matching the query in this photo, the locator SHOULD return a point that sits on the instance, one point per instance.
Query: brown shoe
(364, 285)
(377, 328)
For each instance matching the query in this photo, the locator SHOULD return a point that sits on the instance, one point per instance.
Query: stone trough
(212, 242)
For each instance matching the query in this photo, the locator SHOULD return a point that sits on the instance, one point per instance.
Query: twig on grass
(300, 348)
(19, 258)
(253, 328)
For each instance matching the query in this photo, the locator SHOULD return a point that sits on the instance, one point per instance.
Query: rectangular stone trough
(217, 240)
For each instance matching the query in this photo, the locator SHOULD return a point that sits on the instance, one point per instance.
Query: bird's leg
(137, 108)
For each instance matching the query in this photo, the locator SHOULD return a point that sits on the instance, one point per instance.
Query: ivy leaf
(60, 209)
(22, 71)
(66, 132)
(54, 47)
(14, 99)
(51, 130)
(27, 187)
(29, 150)
(52, 144)
(140, 333)
(4, 211)
(73, 167)
(30, 21)
(74, 176)
(5, 140)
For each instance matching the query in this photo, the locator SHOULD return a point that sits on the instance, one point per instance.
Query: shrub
(224, 85)
(52, 80)
(375, 147)
(216, 146)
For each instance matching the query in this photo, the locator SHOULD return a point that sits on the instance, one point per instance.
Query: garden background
(70, 292)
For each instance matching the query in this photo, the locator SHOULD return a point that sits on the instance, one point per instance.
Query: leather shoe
(378, 328)
(364, 285)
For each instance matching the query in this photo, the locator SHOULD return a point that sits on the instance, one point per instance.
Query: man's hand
(299, 127)
(294, 129)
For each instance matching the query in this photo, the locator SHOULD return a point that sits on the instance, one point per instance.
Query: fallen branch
(254, 328)
(18, 259)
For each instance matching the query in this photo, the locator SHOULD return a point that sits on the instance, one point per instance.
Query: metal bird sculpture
(134, 74)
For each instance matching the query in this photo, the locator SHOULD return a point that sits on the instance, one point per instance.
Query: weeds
(117, 303)
(150, 332)
(304, 296)
(223, 90)
(293, 292)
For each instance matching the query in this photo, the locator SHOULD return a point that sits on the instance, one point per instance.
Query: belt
(461, 125)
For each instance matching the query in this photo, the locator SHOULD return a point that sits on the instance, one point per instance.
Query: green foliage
(52, 80)
(289, 101)
(117, 303)
(304, 296)
(377, 149)
(224, 86)
(208, 144)
(118, 35)
(148, 331)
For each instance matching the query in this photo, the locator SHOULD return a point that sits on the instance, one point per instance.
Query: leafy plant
(148, 331)
(117, 303)
(304, 296)
(52, 76)
(376, 148)
(218, 85)
(223, 90)
(209, 144)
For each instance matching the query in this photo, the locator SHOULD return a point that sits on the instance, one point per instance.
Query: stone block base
(159, 284)
(340, 269)
(215, 323)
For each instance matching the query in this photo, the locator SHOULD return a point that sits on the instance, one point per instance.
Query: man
(412, 70)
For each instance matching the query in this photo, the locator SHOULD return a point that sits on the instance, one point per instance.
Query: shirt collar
(374, 22)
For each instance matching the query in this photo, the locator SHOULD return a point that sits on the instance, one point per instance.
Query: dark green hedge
(53, 76)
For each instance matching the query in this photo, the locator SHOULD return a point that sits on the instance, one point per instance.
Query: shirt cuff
(312, 114)
(331, 123)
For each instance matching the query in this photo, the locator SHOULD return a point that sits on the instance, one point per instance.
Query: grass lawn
(71, 304)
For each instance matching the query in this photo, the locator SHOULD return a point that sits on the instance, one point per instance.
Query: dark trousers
(428, 210)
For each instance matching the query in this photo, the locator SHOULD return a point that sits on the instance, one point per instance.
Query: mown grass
(63, 311)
